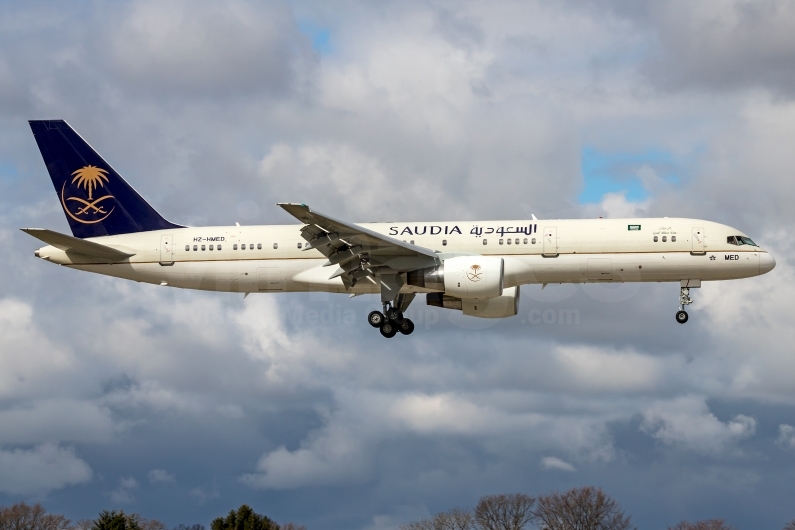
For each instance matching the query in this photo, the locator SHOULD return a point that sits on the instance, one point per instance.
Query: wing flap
(357, 251)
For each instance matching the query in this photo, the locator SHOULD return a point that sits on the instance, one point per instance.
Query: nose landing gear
(684, 300)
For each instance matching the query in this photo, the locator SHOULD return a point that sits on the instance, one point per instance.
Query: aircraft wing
(358, 252)
(89, 249)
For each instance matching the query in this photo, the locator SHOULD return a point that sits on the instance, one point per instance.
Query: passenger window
(219, 247)
(299, 245)
(655, 239)
(517, 241)
(234, 247)
(243, 246)
(485, 242)
(673, 239)
(509, 241)
(665, 238)
(412, 241)
(211, 247)
(195, 248)
(533, 241)
(275, 245)
(203, 247)
(500, 241)
(444, 242)
(187, 247)
(525, 241)
(251, 246)
(259, 246)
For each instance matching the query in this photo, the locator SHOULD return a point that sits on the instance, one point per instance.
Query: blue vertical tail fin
(96, 200)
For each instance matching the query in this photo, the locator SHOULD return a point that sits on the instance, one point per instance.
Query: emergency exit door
(699, 245)
(166, 250)
(550, 241)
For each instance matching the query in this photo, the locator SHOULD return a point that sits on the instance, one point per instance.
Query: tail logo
(87, 210)
(475, 273)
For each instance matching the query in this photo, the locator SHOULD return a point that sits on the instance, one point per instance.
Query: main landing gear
(391, 321)
(684, 299)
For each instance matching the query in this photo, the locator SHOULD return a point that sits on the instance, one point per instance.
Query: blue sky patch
(619, 172)
(320, 36)
(8, 171)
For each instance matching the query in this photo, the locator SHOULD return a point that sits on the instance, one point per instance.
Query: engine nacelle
(503, 306)
(469, 277)
(463, 277)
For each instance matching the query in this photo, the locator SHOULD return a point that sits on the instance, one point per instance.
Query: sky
(182, 405)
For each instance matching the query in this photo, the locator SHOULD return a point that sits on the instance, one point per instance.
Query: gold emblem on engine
(90, 210)
(475, 273)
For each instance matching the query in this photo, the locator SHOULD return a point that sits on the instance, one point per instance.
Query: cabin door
(269, 279)
(550, 241)
(699, 246)
(167, 250)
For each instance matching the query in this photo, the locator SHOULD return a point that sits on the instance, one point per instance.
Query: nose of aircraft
(766, 263)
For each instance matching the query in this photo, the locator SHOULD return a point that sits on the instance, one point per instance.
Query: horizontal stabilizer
(78, 246)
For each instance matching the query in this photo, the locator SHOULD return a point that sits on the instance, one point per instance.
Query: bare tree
(707, 524)
(504, 512)
(455, 519)
(790, 525)
(291, 526)
(149, 524)
(585, 508)
(20, 516)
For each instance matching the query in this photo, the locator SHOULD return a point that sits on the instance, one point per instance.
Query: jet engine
(503, 306)
(463, 277)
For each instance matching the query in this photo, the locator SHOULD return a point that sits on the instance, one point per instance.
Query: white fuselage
(534, 251)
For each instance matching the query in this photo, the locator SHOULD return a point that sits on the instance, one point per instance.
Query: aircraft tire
(388, 329)
(681, 316)
(394, 315)
(376, 318)
(406, 326)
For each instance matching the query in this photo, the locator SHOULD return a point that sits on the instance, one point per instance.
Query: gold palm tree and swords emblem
(475, 273)
(89, 178)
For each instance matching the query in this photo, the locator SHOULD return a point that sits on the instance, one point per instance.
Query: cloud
(719, 46)
(161, 475)
(41, 469)
(124, 493)
(552, 462)
(226, 47)
(786, 436)
(219, 110)
(686, 422)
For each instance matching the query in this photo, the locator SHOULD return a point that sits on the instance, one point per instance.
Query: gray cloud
(41, 469)
(109, 390)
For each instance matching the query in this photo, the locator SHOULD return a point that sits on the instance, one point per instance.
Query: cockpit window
(740, 240)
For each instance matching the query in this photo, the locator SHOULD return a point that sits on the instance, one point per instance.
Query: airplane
(473, 267)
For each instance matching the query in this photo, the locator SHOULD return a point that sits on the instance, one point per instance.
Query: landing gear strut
(684, 300)
(391, 320)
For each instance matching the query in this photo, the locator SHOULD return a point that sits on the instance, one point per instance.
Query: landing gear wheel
(681, 316)
(376, 318)
(388, 329)
(394, 315)
(406, 326)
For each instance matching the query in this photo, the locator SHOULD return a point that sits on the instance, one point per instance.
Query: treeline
(585, 508)
(22, 516)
